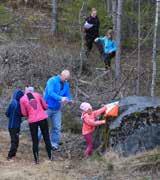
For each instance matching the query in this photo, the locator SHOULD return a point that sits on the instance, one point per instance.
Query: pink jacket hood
(33, 109)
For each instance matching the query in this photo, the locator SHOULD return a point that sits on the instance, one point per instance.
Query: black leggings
(14, 134)
(107, 58)
(90, 41)
(34, 133)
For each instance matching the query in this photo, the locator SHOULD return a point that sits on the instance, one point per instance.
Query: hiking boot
(87, 53)
(36, 160)
(106, 67)
(50, 155)
(51, 158)
(10, 159)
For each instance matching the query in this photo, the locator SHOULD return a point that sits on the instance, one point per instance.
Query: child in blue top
(14, 115)
(108, 47)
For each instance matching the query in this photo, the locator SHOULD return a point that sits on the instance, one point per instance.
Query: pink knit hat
(85, 106)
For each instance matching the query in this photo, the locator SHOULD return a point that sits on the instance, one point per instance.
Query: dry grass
(111, 167)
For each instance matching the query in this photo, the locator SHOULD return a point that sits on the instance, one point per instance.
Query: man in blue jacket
(57, 93)
(109, 47)
(14, 115)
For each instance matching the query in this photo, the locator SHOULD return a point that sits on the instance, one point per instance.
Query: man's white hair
(65, 73)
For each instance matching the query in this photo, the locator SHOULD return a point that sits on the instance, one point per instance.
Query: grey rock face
(138, 126)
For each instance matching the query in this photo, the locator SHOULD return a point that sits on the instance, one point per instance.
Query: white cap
(29, 89)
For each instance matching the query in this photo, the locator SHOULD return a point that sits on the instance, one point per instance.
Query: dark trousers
(107, 58)
(45, 133)
(14, 135)
(89, 41)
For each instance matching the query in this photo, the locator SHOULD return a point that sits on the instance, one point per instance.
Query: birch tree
(108, 6)
(139, 47)
(82, 14)
(153, 84)
(118, 39)
(54, 16)
(114, 14)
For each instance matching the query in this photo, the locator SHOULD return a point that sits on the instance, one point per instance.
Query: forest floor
(69, 163)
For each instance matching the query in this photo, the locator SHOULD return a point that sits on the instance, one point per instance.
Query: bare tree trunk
(54, 16)
(139, 48)
(114, 14)
(153, 84)
(108, 6)
(82, 14)
(118, 40)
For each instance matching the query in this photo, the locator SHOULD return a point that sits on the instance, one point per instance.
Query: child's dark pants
(14, 134)
(107, 58)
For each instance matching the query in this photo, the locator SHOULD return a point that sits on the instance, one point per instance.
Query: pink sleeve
(93, 123)
(99, 111)
(100, 122)
(23, 108)
(44, 104)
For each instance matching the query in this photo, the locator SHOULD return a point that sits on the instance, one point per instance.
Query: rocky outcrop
(138, 126)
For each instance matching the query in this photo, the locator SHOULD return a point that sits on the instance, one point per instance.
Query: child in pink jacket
(33, 107)
(89, 123)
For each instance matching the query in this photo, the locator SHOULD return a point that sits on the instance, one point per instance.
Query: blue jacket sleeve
(114, 47)
(8, 111)
(51, 91)
(101, 39)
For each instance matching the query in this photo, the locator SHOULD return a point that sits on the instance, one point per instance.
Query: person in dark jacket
(91, 28)
(14, 115)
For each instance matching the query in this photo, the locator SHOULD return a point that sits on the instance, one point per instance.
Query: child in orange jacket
(89, 123)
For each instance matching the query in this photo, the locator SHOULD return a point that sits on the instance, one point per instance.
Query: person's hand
(104, 121)
(71, 102)
(64, 100)
(103, 105)
(96, 40)
(105, 115)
